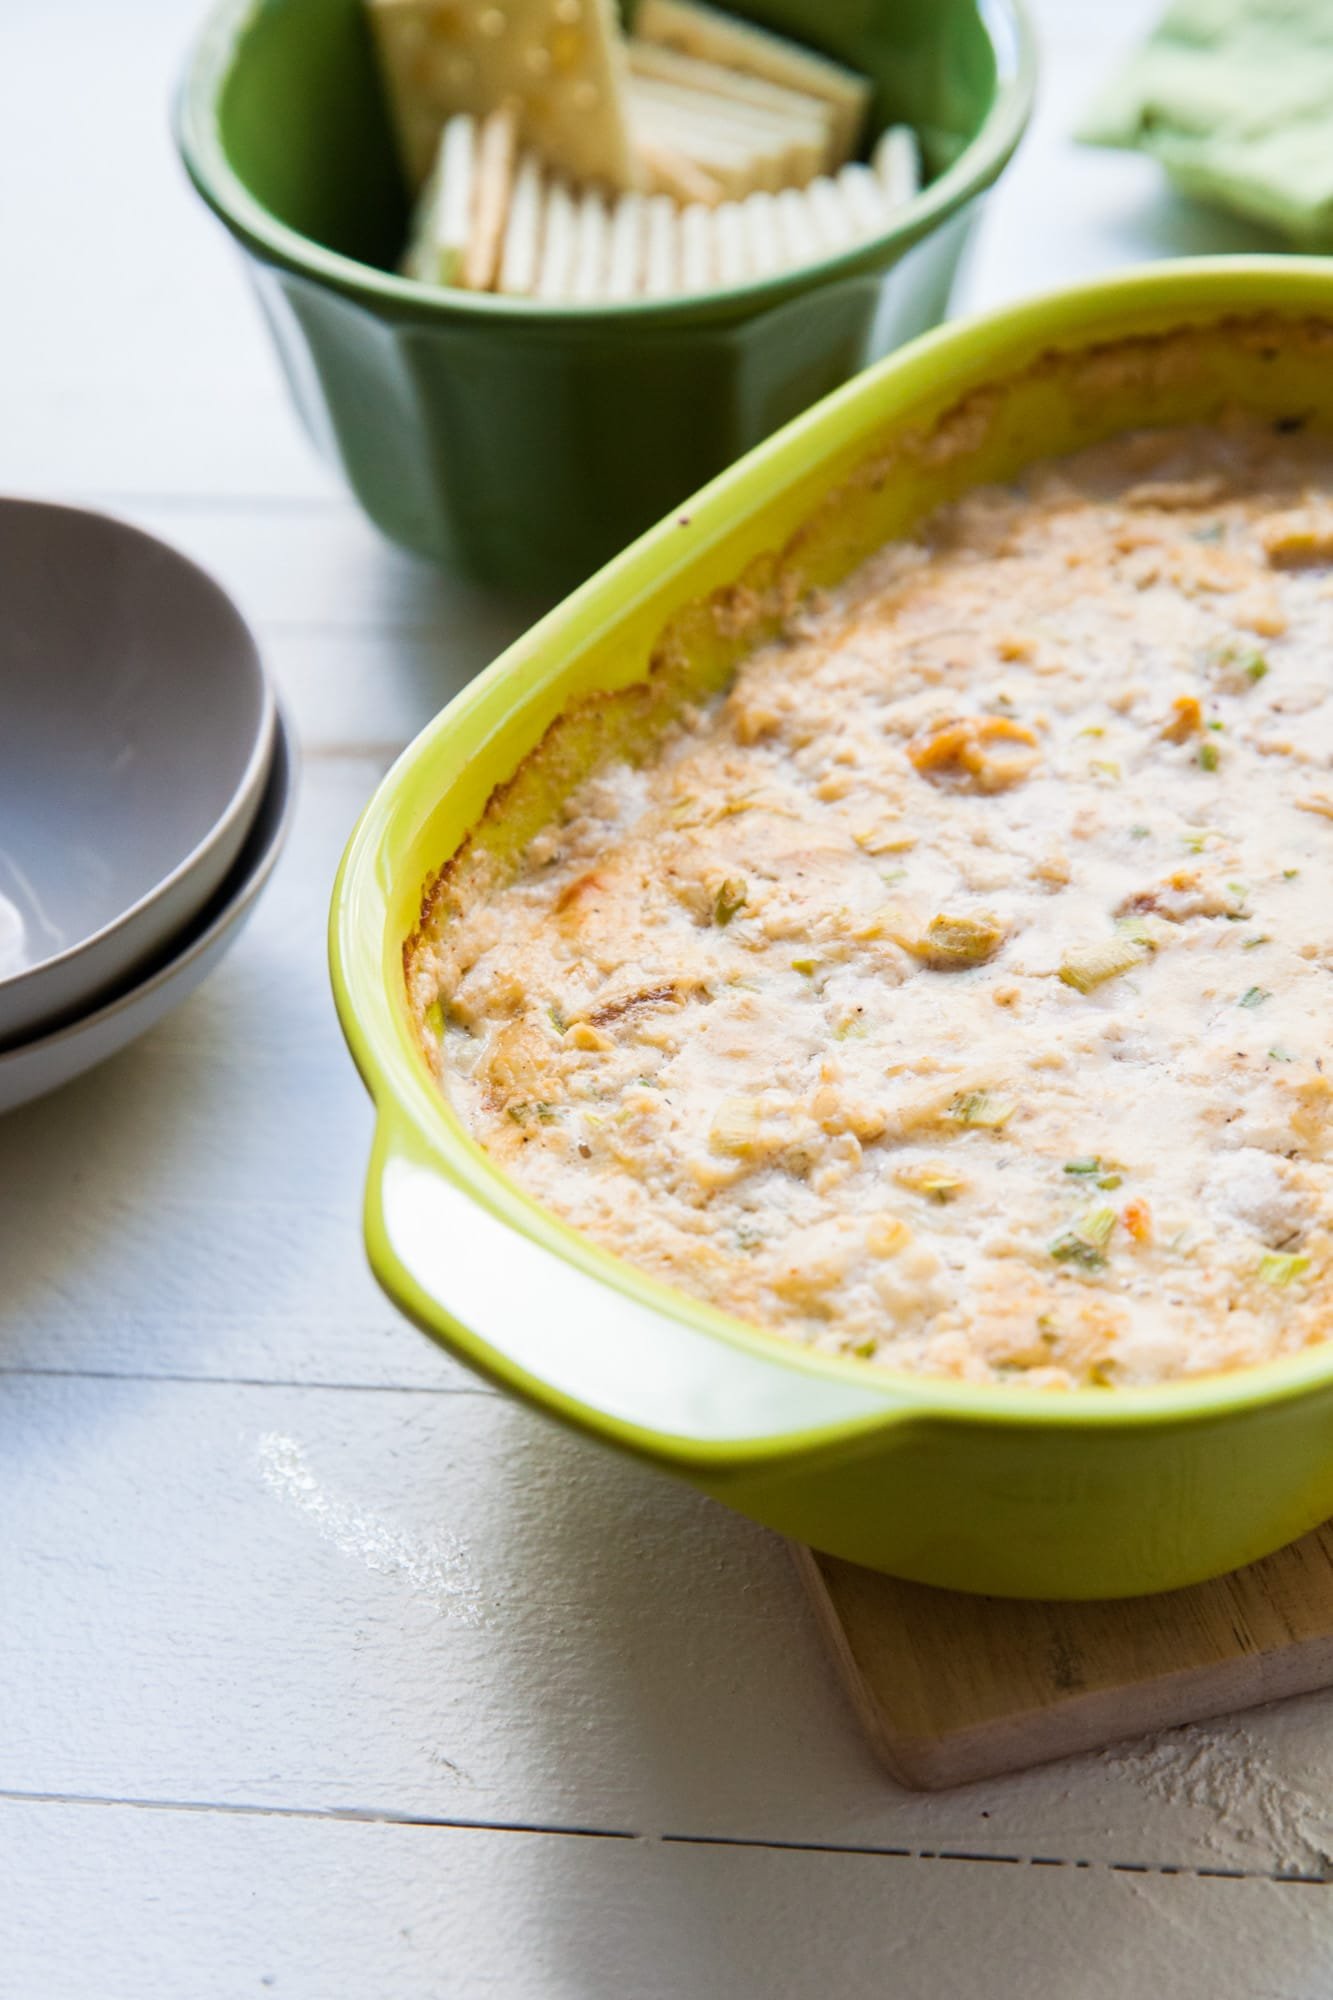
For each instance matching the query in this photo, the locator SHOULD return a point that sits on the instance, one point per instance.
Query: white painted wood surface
(323, 1670)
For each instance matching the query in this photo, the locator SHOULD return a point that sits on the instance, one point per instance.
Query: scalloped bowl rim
(218, 47)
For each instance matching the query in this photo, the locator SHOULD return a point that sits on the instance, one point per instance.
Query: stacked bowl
(145, 781)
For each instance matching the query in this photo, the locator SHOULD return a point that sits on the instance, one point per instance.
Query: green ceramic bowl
(525, 444)
(1021, 1492)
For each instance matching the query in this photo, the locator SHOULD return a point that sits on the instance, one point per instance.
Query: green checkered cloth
(1235, 99)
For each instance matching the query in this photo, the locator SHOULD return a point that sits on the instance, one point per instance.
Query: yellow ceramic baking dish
(1099, 1492)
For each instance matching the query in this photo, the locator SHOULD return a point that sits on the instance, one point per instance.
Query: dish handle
(601, 1358)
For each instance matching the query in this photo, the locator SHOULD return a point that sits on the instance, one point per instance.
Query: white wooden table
(324, 1670)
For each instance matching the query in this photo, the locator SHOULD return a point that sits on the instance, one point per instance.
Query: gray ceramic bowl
(32, 1068)
(136, 742)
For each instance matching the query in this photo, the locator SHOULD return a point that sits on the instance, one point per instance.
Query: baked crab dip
(951, 987)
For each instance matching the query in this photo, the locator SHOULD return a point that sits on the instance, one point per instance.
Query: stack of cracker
(557, 160)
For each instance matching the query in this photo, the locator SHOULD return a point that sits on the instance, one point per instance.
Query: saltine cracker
(561, 62)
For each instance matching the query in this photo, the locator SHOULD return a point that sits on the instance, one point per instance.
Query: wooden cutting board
(951, 1688)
